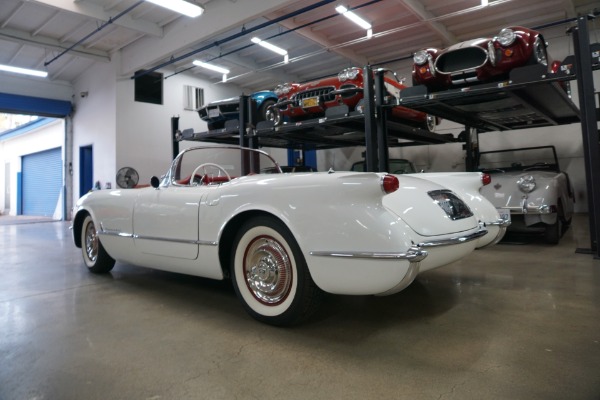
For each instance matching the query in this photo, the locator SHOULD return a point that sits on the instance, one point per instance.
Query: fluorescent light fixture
(269, 46)
(180, 6)
(25, 71)
(353, 17)
(484, 3)
(211, 67)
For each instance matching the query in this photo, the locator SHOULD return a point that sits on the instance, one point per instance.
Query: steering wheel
(203, 168)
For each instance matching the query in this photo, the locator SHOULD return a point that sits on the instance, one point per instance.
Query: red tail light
(486, 179)
(390, 184)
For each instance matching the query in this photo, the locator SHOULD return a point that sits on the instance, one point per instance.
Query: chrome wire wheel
(91, 242)
(431, 121)
(95, 257)
(268, 270)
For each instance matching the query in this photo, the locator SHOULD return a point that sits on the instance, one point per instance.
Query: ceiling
(65, 37)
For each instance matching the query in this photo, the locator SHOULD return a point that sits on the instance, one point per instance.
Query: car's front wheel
(95, 257)
(270, 275)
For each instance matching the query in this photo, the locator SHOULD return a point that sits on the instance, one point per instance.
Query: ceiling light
(269, 46)
(180, 6)
(24, 71)
(484, 3)
(353, 17)
(211, 67)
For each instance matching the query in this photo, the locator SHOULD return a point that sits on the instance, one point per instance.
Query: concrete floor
(516, 321)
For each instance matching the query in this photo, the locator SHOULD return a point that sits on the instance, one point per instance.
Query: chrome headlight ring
(421, 57)
(506, 37)
(348, 74)
(526, 183)
(283, 89)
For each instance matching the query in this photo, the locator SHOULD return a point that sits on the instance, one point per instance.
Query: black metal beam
(371, 155)
(589, 127)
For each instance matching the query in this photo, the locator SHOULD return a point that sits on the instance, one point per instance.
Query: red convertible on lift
(479, 60)
(302, 101)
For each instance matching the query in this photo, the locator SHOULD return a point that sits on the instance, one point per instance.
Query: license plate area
(310, 102)
(504, 213)
(213, 113)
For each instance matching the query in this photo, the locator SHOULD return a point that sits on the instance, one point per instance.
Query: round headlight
(420, 57)
(280, 90)
(526, 183)
(348, 74)
(506, 37)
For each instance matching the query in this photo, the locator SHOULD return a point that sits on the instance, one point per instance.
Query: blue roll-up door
(41, 182)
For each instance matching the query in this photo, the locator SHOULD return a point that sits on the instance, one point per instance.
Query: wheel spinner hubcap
(268, 271)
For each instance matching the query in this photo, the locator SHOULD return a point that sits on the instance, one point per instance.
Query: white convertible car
(282, 239)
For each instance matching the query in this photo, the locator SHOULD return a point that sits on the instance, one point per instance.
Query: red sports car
(298, 102)
(479, 60)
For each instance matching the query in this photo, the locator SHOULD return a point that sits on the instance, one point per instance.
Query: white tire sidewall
(240, 277)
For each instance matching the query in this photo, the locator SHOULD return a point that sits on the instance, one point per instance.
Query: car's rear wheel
(270, 275)
(95, 257)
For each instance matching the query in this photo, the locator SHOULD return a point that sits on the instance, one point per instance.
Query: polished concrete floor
(520, 320)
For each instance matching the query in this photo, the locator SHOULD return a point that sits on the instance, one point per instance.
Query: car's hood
(481, 42)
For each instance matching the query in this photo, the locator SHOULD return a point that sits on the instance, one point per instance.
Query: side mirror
(154, 182)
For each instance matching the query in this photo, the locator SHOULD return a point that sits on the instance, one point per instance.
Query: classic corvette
(301, 101)
(217, 112)
(479, 60)
(283, 239)
(466, 185)
(529, 186)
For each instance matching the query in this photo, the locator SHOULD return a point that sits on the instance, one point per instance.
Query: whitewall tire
(270, 275)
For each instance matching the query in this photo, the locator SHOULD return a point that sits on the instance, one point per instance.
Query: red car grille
(316, 92)
(460, 60)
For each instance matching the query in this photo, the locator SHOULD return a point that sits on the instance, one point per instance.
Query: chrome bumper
(414, 254)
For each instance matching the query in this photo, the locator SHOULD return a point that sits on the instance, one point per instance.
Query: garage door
(42, 182)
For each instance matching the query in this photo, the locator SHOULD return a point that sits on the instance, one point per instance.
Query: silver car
(529, 188)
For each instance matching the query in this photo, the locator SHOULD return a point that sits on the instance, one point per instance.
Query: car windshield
(219, 161)
(396, 166)
(528, 158)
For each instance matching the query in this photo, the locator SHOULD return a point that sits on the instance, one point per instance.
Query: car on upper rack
(216, 113)
(530, 188)
(282, 238)
(467, 186)
(302, 101)
(480, 60)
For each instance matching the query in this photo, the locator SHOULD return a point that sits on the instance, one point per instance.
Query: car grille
(316, 92)
(460, 60)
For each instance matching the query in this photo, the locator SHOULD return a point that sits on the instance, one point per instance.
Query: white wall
(35, 87)
(94, 121)
(143, 130)
(49, 136)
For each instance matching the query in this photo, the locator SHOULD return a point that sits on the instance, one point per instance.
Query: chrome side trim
(133, 236)
(455, 240)
(414, 254)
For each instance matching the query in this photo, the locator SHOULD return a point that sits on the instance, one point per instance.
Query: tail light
(390, 184)
(486, 179)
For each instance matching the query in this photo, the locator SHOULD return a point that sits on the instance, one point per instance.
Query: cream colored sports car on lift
(282, 238)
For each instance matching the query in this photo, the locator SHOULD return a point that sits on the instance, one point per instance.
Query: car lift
(530, 98)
